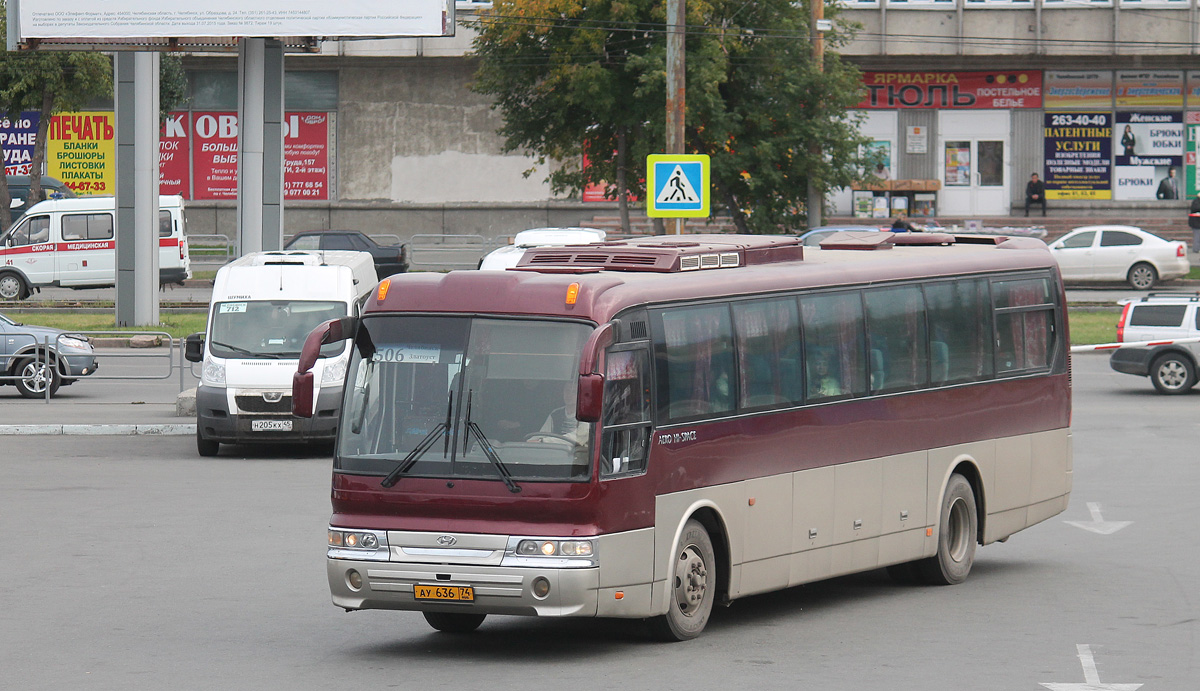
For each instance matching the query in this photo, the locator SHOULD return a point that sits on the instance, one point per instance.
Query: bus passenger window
(896, 337)
(768, 353)
(626, 412)
(699, 361)
(960, 346)
(834, 358)
(1024, 324)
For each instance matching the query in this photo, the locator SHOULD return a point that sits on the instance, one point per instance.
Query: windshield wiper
(419, 450)
(488, 451)
(235, 349)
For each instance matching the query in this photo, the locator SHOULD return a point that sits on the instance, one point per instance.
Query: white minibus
(263, 306)
(72, 243)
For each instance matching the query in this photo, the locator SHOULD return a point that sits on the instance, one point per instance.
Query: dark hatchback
(389, 259)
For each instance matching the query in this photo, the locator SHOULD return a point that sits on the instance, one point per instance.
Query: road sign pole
(676, 83)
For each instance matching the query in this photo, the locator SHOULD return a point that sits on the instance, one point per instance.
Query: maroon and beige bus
(644, 428)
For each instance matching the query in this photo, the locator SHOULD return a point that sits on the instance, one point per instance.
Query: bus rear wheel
(454, 622)
(693, 586)
(958, 533)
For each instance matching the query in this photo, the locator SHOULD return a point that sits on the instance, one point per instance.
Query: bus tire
(206, 447)
(958, 534)
(693, 586)
(35, 375)
(1173, 374)
(13, 286)
(454, 622)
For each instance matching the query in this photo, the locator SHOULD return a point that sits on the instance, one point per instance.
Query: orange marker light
(929, 532)
(619, 595)
(572, 293)
(383, 289)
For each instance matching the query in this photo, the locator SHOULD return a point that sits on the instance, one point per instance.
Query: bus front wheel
(454, 622)
(693, 586)
(958, 533)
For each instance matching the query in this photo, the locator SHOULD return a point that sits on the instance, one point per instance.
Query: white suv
(1160, 317)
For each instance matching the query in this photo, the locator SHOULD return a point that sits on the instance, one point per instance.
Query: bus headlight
(550, 552)
(214, 373)
(370, 545)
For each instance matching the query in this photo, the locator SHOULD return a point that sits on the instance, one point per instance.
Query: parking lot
(134, 563)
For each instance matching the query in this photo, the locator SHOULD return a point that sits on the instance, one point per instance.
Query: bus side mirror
(193, 348)
(302, 394)
(590, 401)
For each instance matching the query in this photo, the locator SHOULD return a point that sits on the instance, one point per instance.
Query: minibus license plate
(454, 593)
(270, 425)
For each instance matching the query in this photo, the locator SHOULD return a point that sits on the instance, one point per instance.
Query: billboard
(1150, 89)
(81, 150)
(306, 155)
(954, 90)
(1148, 147)
(1078, 153)
(1083, 90)
(17, 138)
(129, 19)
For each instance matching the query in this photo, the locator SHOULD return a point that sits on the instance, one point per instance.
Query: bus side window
(699, 362)
(960, 337)
(1024, 324)
(835, 361)
(896, 337)
(626, 417)
(768, 352)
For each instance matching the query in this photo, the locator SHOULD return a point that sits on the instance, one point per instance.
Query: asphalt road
(129, 562)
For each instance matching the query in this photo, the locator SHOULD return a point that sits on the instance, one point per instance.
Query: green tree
(570, 77)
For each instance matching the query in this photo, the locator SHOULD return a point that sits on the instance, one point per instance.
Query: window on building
(302, 90)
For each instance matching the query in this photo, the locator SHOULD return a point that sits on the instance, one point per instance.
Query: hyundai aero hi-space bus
(644, 428)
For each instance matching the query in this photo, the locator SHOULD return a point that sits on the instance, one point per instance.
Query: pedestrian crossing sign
(677, 185)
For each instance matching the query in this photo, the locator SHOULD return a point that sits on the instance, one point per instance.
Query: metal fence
(210, 251)
(443, 251)
(161, 361)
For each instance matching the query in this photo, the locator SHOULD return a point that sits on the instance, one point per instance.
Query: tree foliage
(571, 77)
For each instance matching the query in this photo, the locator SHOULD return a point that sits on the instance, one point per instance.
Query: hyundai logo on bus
(447, 540)
(678, 186)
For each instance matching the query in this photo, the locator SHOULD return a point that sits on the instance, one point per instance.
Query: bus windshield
(271, 329)
(464, 397)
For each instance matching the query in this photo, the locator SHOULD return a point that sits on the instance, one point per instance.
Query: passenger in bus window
(821, 382)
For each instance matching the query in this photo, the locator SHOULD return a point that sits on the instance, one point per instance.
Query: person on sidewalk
(1035, 193)
(1194, 222)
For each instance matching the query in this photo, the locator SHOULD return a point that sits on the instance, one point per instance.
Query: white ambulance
(72, 243)
(263, 307)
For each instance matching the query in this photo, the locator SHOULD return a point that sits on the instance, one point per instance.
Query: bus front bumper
(496, 590)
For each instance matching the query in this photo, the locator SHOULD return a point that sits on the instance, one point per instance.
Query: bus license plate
(453, 593)
(270, 425)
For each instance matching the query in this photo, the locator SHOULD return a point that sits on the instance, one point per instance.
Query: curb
(160, 430)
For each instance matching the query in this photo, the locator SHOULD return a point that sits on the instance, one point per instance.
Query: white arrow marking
(1091, 677)
(1098, 524)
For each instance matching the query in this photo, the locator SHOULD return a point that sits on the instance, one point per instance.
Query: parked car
(509, 255)
(389, 259)
(1119, 253)
(18, 192)
(814, 237)
(23, 355)
(1171, 367)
